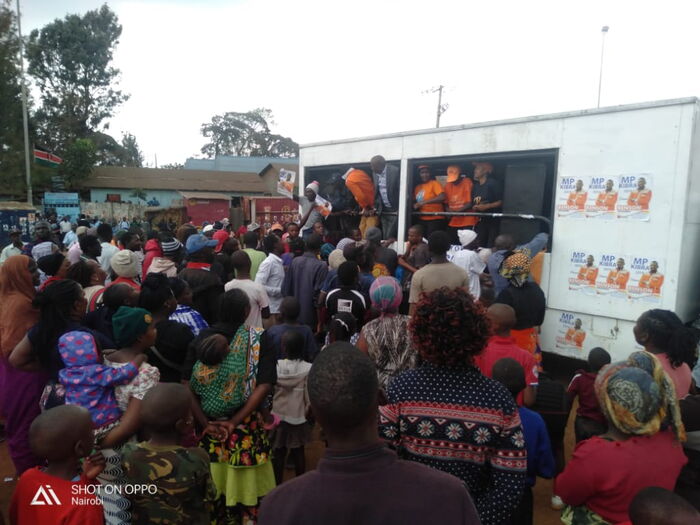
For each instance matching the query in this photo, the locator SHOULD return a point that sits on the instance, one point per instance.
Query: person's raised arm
(129, 425)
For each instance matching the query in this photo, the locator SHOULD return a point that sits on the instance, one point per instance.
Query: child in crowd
(590, 421)
(342, 327)
(289, 314)
(290, 403)
(657, 506)
(185, 487)
(90, 384)
(59, 493)
(347, 298)
(540, 461)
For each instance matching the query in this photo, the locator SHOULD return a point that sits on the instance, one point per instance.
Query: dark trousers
(585, 428)
(432, 226)
(522, 515)
(390, 224)
(486, 231)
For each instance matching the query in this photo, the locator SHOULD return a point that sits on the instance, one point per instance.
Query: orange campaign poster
(285, 183)
(583, 272)
(604, 198)
(646, 280)
(572, 196)
(635, 197)
(571, 331)
(613, 275)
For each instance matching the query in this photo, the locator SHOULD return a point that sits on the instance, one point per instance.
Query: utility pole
(27, 158)
(441, 108)
(604, 32)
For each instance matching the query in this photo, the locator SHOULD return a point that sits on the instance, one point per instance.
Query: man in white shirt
(259, 302)
(271, 274)
(104, 233)
(15, 246)
(65, 225)
(470, 261)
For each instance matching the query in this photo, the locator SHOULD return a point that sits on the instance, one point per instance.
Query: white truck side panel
(654, 138)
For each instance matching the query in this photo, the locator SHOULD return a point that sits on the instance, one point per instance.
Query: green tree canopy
(78, 161)
(246, 134)
(70, 61)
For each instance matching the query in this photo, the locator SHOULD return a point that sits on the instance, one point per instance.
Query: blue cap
(198, 241)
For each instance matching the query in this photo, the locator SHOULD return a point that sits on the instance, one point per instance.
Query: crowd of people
(201, 362)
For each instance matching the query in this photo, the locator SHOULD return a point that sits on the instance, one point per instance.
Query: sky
(331, 70)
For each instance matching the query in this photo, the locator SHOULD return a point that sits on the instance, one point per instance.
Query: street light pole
(27, 157)
(604, 32)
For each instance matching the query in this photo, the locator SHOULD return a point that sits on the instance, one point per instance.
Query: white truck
(619, 187)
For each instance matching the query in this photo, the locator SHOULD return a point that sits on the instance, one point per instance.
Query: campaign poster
(646, 279)
(572, 196)
(572, 331)
(613, 275)
(285, 183)
(603, 192)
(323, 206)
(583, 272)
(635, 197)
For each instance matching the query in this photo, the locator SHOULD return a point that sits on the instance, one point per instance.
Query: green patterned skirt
(241, 467)
(581, 516)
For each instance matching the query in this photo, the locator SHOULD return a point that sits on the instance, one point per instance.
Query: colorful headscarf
(386, 295)
(516, 268)
(638, 398)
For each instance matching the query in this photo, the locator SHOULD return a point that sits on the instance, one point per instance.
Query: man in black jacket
(386, 195)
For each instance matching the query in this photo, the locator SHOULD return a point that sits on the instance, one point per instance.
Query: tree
(173, 166)
(246, 134)
(11, 131)
(70, 61)
(132, 154)
(78, 161)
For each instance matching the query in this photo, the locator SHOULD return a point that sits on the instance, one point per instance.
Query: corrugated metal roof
(204, 195)
(238, 164)
(166, 179)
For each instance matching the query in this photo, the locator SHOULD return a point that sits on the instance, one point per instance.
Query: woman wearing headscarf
(526, 298)
(54, 266)
(642, 446)
(19, 391)
(387, 340)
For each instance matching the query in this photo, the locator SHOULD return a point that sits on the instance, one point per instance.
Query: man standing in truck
(487, 196)
(386, 199)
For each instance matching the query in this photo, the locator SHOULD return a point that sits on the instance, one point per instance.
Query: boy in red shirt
(590, 421)
(502, 345)
(60, 493)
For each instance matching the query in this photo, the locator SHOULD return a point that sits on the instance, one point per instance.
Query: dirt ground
(543, 514)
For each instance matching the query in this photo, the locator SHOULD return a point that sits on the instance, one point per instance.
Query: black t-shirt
(529, 303)
(486, 193)
(347, 300)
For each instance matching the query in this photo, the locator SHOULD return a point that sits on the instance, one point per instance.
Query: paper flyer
(646, 280)
(613, 275)
(635, 197)
(572, 196)
(583, 272)
(571, 331)
(285, 184)
(323, 206)
(604, 195)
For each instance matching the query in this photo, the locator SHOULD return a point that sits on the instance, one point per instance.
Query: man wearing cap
(310, 213)
(15, 246)
(206, 285)
(487, 196)
(125, 269)
(362, 188)
(470, 261)
(458, 193)
(429, 197)
(386, 195)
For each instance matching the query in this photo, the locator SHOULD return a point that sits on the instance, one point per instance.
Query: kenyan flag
(45, 158)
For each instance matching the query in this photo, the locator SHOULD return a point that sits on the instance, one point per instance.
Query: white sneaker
(557, 503)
